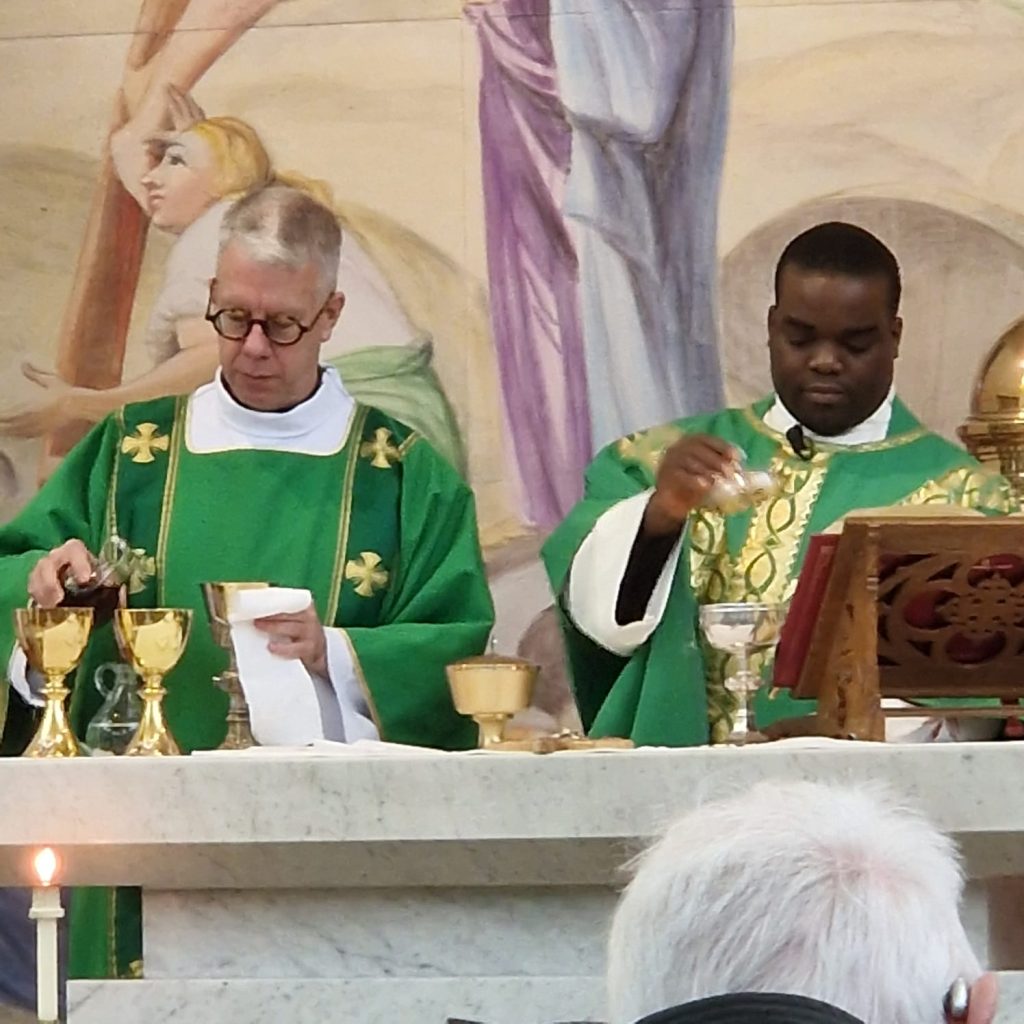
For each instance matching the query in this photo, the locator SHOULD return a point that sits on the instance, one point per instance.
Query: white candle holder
(46, 911)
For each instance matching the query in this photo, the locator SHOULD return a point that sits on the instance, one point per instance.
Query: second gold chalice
(151, 641)
(53, 640)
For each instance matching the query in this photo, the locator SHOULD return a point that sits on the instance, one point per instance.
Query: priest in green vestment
(271, 472)
(637, 556)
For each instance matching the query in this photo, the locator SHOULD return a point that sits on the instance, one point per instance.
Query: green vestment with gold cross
(382, 532)
(670, 691)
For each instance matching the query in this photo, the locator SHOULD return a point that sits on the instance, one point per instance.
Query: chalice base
(54, 737)
(239, 735)
(153, 738)
(745, 737)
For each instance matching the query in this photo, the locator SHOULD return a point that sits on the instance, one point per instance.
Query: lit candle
(46, 912)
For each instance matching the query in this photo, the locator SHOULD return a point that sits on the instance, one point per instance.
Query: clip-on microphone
(802, 448)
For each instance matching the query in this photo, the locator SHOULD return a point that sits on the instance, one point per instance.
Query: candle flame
(46, 865)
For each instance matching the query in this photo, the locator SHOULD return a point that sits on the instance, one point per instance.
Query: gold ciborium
(491, 689)
(218, 598)
(151, 641)
(53, 640)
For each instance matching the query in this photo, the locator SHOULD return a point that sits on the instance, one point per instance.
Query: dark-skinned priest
(270, 472)
(641, 552)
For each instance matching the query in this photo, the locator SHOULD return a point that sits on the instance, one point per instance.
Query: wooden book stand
(930, 606)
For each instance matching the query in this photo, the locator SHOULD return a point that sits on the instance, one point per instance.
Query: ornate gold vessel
(218, 597)
(53, 640)
(994, 431)
(491, 689)
(151, 641)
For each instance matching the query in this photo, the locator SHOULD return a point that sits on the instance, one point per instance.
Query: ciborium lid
(998, 396)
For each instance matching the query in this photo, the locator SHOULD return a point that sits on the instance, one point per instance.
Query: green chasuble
(670, 691)
(382, 532)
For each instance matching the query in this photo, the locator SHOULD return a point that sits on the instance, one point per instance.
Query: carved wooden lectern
(931, 606)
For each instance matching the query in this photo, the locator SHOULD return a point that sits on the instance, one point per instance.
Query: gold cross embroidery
(146, 440)
(381, 452)
(366, 573)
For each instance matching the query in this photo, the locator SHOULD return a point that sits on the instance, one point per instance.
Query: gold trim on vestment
(647, 447)
(167, 504)
(966, 487)
(111, 515)
(896, 441)
(113, 970)
(768, 556)
(404, 447)
(337, 575)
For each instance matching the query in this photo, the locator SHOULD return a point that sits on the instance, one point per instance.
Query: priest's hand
(298, 635)
(687, 472)
(44, 582)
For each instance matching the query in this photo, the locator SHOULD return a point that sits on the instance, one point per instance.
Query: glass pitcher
(111, 729)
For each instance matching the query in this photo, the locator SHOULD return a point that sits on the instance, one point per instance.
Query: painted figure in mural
(185, 179)
(834, 335)
(603, 130)
(354, 506)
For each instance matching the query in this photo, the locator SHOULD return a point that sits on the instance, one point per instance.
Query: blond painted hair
(243, 164)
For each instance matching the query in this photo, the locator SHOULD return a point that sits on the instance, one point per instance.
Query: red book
(797, 630)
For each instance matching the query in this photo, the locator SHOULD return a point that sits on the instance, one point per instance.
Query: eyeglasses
(236, 324)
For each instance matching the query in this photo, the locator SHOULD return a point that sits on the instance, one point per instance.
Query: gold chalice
(218, 597)
(53, 640)
(491, 689)
(152, 640)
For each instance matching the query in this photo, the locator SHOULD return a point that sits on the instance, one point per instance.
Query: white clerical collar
(874, 428)
(318, 426)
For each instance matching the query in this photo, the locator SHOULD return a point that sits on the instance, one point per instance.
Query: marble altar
(292, 887)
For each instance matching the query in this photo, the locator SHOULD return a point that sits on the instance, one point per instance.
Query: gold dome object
(994, 431)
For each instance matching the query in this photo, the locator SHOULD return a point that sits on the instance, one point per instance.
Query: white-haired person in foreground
(797, 903)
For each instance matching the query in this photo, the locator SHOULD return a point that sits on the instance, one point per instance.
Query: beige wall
(909, 119)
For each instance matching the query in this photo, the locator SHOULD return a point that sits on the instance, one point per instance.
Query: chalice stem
(745, 685)
(239, 727)
(152, 737)
(492, 728)
(54, 737)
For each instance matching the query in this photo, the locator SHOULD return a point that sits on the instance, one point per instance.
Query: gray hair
(286, 226)
(838, 894)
